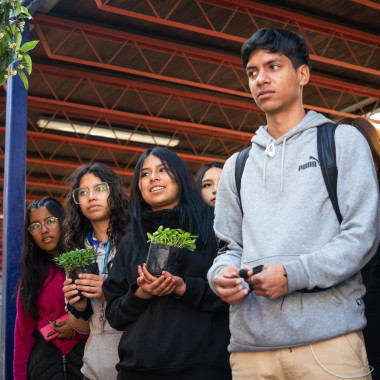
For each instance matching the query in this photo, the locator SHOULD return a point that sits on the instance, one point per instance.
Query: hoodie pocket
(258, 323)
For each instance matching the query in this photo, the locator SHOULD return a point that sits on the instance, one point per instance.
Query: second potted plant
(165, 250)
(78, 261)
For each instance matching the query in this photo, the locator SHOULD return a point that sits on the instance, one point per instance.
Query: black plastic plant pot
(163, 258)
(73, 274)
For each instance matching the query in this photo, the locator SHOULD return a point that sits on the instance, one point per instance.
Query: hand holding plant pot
(78, 262)
(165, 250)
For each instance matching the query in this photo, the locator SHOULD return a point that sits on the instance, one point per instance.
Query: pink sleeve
(24, 327)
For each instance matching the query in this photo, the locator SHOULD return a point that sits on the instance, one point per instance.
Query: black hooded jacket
(168, 337)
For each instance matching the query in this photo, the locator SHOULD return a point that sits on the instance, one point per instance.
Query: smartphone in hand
(48, 331)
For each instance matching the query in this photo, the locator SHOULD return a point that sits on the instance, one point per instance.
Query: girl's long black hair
(77, 225)
(195, 215)
(35, 262)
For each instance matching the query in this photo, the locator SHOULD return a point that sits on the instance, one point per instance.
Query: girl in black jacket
(174, 326)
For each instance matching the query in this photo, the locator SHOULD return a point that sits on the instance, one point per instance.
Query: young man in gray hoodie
(302, 316)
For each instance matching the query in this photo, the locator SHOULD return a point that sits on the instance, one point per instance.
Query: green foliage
(13, 56)
(173, 237)
(78, 258)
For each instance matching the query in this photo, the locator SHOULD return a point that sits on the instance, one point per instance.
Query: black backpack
(327, 162)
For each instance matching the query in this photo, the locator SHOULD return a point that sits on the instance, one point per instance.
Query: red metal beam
(122, 37)
(126, 70)
(29, 199)
(277, 13)
(43, 182)
(350, 88)
(315, 80)
(90, 112)
(368, 3)
(256, 9)
(372, 92)
(68, 165)
(123, 117)
(48, 137)
(155, 44)
(76, 75)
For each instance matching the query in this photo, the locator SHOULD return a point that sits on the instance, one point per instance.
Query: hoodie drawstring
(269, 151)
(282, 164)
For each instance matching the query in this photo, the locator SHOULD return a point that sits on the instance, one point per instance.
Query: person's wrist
(180, 289)
(141, 293)
(79, 307)
(84, 314)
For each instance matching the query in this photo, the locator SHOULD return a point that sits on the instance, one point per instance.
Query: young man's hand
(271, 282)
(228, 285)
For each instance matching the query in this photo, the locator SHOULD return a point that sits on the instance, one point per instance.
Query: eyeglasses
(50, 223)
(99, 191)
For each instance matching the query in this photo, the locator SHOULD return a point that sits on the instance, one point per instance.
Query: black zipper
(64, 366)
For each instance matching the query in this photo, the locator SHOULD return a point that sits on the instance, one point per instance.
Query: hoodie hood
(311, 120)
(265, 141)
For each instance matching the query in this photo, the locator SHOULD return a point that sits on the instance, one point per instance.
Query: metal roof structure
(111, 78)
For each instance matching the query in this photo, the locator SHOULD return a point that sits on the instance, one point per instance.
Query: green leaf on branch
(9, 35)
(18, 39)
(5, 59)
(29, 46)
(17, 10)
(25, 11)
(2, 78)
(23, 78)
(27, 62)
(3, 47)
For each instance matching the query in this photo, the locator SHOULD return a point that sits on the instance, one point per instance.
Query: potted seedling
(165, 250)
(78, 261)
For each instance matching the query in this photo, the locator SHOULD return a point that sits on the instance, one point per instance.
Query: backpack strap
(327, 162)
(239, 168)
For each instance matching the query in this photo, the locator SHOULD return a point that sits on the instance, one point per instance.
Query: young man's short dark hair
(278, 41)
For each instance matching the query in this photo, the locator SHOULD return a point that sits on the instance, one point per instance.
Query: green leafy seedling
(173, 237)
(78, 258)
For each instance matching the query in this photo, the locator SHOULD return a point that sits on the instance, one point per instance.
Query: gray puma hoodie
(289, 219)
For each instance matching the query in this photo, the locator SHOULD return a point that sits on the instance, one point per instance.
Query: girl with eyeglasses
(40, 300)
(97, 216)
(175, 327)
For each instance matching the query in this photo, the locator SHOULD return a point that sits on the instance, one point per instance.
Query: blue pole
(13, 210)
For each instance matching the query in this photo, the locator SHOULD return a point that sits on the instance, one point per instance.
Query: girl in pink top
(40, 299)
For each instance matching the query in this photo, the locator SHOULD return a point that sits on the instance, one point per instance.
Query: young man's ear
(303, 74)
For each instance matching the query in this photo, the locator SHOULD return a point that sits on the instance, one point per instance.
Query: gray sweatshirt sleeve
(357, 241)
(228, 221)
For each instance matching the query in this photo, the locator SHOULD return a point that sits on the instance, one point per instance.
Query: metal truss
(243, 11)
(45, 162)
(219, 66)
(368, 3)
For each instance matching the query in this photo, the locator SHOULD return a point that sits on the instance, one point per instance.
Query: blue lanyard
(95, 244)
